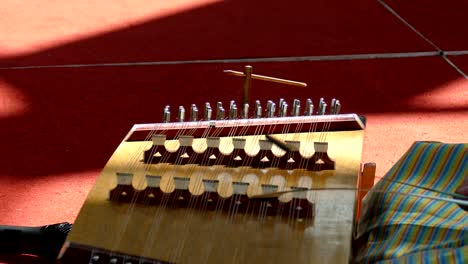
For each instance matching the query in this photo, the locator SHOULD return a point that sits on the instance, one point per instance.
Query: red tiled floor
(461, 62)
(111, 99)
(236, 29)
(75, 118)
(39, 25)
(444, 23)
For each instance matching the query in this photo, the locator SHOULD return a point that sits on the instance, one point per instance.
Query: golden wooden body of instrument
(108, 231)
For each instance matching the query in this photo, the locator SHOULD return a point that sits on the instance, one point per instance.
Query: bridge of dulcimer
(201, 172)
(180, 191)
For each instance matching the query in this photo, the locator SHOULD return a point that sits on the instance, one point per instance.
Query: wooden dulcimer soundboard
(179, 192)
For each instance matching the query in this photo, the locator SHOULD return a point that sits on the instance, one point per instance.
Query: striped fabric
(407, 229)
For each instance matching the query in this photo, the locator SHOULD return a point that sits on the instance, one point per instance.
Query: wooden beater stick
(248, 76)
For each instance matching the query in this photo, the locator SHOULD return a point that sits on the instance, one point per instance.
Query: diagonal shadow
(79, 115)
(242, 29)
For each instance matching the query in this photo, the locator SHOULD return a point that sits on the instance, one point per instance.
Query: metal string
(132, 204)
(157, 220)
(263, 210)
(189, 213)
(132, 164)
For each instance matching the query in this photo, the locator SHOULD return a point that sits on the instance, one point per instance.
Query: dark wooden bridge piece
(212, 201)
(264, 159)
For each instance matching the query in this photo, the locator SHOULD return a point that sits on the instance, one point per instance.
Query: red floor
(239, 29)
(60, 125)
(461, 62)
(444, 24)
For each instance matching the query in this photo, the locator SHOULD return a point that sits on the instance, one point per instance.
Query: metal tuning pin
(321, 102)
(233, 111)
(284, 110)
(181, 114)
(337, 107)
(166, 114)
(296, 108)
(208, 111)
(220, 113)
(193, 113)
(281, 102)
(282, 106)
(245, 111)
(332, 106)
(268, 107)
(322, 107)
(258, 109)
(309, 109)
(271, 107)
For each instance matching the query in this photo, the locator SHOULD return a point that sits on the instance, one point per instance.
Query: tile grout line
(391, 10)
(441, 52)
(266, 59)
(245, 60)
(455, 66)
(456, 52)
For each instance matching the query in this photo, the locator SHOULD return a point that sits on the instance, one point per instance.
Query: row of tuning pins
(258, 112)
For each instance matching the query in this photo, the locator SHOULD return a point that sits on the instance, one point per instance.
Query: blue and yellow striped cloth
(408, 229)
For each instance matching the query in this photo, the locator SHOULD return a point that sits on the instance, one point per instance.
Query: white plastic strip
(124, 178)
(153, 181)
